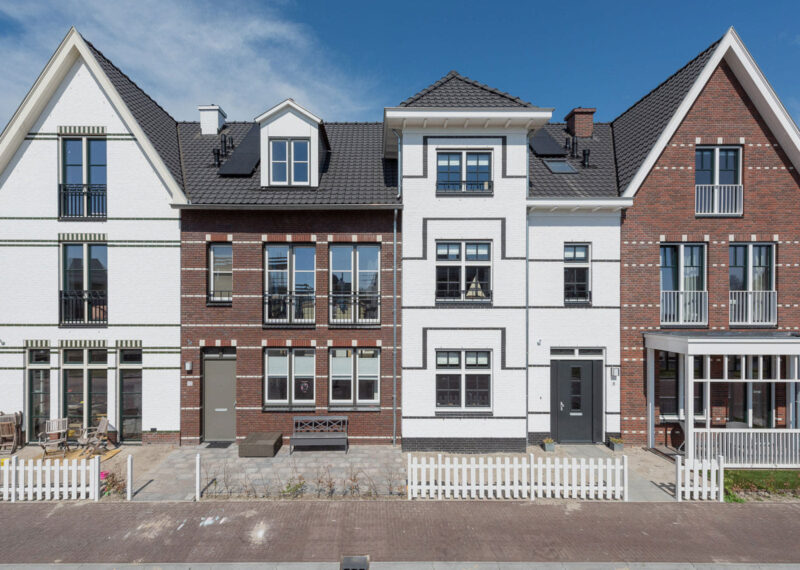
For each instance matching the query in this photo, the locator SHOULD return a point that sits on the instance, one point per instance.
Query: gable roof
(455, 90)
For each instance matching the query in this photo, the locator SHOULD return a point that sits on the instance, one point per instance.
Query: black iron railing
(465, 187)
(577, 297)
(83, 308)
(354, 308)
(225, 297)
(292, 307)
(81, 201)
(474, 293)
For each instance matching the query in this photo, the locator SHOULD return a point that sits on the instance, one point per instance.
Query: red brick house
(709, 263)
(289, 250)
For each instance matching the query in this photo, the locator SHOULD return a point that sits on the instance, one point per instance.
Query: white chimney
(212, 119)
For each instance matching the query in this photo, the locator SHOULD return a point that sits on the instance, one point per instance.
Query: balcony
(465, 187)
(219, 297)
(83, 308)
(352, 309)
(289, 308)
(82, 201)
(684, 308)
(573, 298)
(718, 200)
(753, 308)
(475, 294)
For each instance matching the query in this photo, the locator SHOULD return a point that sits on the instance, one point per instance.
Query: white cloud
(244, 57)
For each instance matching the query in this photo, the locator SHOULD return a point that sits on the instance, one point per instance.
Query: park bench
(319, 431)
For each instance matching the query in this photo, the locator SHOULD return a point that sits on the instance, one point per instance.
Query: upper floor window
(463, 271)
(577, 282)
(463, 379)
(83, 299)
(355, 284)
(82, 192)
(220, 273)
(718, 181)
(461, 171)
(290, 283)
(753, 299)
(289, 162)
(684, 298)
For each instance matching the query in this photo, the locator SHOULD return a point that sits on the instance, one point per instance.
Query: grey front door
(219, 398)
(577, 401)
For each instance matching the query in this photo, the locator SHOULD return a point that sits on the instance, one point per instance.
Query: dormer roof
(282, 106)
(455, 90)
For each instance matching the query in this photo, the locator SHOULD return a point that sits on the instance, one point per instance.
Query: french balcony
(464, 187)
(353, 309)
(83, 308)
(219, 297)
(718, 200)
(684, 308)
(578, 298)
(290, 308)
(753, 308)
(474, 294)
(82, 201)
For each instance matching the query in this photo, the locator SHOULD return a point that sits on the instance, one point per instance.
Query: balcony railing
(220, 297)
(718, 200)
(684, 307)
(474, 294)
(753, 307)
(81, 201)
(465, 187)
(354, 309)
(289, 308)
(748, 448)
(577, 298)
(83, 308)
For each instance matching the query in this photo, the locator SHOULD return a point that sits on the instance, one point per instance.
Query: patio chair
(94, 439)
(8, 435)
(54, 439)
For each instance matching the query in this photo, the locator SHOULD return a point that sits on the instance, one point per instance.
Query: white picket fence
(38, 480)
(517, 478)
(704, 481)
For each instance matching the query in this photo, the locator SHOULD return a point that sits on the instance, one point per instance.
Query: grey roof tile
(638, 128)
(598, 180)
(455, 90)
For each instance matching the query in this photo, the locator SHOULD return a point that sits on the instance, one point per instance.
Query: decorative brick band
(81, 130)
(37, 344)
(82, 344)
(466, 444)
(129, 344)
(82, 237)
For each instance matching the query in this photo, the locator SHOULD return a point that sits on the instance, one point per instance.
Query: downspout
(527, 291)
(394, 286)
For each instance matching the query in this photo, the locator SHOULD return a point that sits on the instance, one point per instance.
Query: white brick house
(90, 246)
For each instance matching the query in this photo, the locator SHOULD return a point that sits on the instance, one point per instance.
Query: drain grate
(218, 445)
(354, 563)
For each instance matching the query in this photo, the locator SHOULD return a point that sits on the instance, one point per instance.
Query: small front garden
(761, 485)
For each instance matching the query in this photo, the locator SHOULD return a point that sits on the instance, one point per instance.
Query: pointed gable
(455, 90)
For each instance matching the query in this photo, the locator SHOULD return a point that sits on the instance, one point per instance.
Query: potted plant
(548, 444)
(615, 444)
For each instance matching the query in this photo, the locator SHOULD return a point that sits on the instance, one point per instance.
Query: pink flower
(103, 475)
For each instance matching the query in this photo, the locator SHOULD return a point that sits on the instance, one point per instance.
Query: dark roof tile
(455, 90)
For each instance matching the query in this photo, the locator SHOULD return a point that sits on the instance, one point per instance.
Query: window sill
(681, 326)
(577, 304)
(83, 326)
(83, 219)
(354, 325)
(739, 215)
(210, 303)
(359, 408)
(464, 414)
(460, 304)
(462, 194)
(281, 408)
(765, 326)
(289, 325)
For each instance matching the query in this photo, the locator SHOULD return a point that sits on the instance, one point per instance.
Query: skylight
(559, 166)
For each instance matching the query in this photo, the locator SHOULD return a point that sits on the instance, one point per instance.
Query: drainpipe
(394, 286)
(527, 293)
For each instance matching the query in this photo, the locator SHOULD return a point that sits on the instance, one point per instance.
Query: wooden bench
(319, 431)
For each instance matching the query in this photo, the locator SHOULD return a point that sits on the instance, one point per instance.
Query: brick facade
(663, 210)
(241, 324)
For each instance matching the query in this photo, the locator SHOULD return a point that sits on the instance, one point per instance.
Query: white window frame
(291, 398)
(462, 263)
(680, 387)
(290, 281)
(716, 149)
(463, 167)
(355, 281)
(587, 263)
(290, 161)
(750, 259)
(84, 156)
(681, 249)
(354, 377)
(463, 370)
(85, 367)
(212, 290)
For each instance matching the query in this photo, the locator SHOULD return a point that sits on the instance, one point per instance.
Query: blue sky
(347, 60)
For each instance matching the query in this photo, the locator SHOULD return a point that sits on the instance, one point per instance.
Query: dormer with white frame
(291, 139)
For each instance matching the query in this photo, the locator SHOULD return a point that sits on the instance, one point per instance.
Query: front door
(577, 401)
(219, 398)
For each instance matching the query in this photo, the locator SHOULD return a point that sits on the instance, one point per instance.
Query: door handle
(562, 405)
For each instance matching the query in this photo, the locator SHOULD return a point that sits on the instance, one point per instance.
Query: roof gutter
(282, 207)
(578, 204)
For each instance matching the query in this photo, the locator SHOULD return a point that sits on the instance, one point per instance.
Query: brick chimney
(580, 121)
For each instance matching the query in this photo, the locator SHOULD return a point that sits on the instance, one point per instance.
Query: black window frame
(473, 271)
(464, 367)
(577, 291)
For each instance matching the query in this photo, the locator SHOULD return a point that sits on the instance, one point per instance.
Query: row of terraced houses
(465, 275)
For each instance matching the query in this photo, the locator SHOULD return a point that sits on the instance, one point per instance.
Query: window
(130, 380)
(84, 290)
(38, 391)
(559, 166)
(476, 177)
(290, 283)
(577, 284)
(85, 392)
(463, 277)
(671, 392)
(684, 299)
(355, 284)
(289, 376)
(289, 162)
(466, 373)
(751, 274)
(82, 193)
(220, 279)
(717, 165)
(361, 364)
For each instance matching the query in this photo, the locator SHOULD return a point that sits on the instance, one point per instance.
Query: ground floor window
(354, 365)
(38, 391)
(289, 376)
(463, 379)
(85, 388)
(671, 389)
(130, 409)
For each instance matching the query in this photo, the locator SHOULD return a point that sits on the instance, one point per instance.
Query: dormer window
(289, 162)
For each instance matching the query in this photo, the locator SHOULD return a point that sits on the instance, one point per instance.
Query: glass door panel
(73, 402)
(98, 396)
(131, 405)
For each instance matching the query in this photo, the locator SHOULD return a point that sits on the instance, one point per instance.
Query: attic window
(289, 164)
(559, 166)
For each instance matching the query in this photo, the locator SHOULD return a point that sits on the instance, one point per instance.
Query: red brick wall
(664, 206)
(243, 319)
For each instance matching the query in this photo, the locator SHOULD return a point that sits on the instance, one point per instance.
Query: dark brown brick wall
(242, 321)
(664, 206)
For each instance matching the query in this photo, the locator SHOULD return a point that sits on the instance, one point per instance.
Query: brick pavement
(321, 531)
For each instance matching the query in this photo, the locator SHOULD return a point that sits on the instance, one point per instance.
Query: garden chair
(94, 439)
(8, 435)
(54, 439)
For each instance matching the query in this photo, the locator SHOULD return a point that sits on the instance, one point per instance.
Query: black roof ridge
(111, 63)
(660, 85)
(453, 74)
(226, 122)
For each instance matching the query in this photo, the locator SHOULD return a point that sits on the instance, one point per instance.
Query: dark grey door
(577, 401)
(219, 398)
